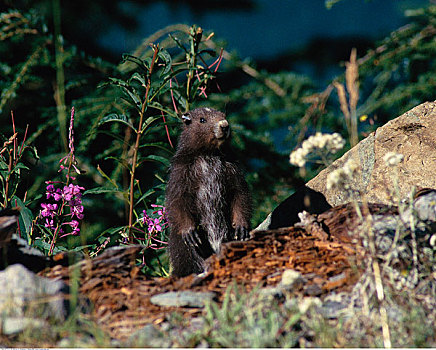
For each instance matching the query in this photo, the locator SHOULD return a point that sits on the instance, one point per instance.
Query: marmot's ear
(186, 118)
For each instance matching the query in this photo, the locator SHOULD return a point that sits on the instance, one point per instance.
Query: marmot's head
(204, 128)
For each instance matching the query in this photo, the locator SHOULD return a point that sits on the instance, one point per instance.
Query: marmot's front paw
(242, 233)
(194, 240)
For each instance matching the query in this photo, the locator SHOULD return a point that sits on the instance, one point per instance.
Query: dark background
(303, 36)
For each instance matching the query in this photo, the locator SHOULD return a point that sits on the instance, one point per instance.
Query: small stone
(433, 240)
(337, 305)
(273, 292)
(148, 336)
(308, 303)
(313, 290)
(82, 341)
(291, 279)
(338, 277)
(15, 325)
(425, 207)
(333, 309)
(183, 298)
(196, 324)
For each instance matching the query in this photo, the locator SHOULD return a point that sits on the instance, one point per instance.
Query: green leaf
(100, 190)
(138, 77)
(102, 173)
(178, 42)
(114, 230)
(160, 187)
(181, 100)
(128, 91)
(25, 219)
(158, 106)
(80, 248)
(134, 97)
(145, 195)
(166, 57)
(149, 121)
(142, 63)
(158, 159)
(123, 162)
(33, 151)
(3, 165)
(20, 166)
(114, 117)
(118, 82)
(45, 247)
(161, 145)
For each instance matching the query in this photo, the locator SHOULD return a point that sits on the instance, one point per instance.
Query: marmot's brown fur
(207, 198)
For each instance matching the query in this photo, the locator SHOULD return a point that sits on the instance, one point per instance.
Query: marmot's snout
(222, 129)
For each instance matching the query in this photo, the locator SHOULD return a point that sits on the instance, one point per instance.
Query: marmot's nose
(224, 125)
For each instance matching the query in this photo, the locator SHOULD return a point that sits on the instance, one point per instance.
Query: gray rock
(24, 294)
(183, 299)
(148, 336)
(24, 247)
(335, 305)
(15, 325)
(307, 303)
(277, 292)
(425, 207)
(313, 289)
(264, 225)
(423, 211)
(196, 324)
(413, 135)
(291, 279)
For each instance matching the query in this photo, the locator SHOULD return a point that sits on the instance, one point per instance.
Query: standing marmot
(207, 198)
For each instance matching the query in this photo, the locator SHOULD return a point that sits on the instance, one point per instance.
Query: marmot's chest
(210, 174)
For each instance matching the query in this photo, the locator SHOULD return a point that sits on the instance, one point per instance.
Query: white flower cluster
(392, 159)
(328, 142)
(341, 178)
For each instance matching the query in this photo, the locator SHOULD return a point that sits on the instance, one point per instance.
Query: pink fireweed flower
(52, 192)
(161, 212)
(76, 208)
(153, 225)
(67, 195)
(71, 191)
(74, 224)
(70, 159)
(144, 217)
(49, 210)
(50, 224)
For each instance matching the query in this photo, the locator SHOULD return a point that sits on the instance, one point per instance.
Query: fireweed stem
(69, 196)
(55, 234)
(138, 138)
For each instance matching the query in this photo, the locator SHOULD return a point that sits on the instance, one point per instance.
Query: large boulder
(27, 300)
(413, 135)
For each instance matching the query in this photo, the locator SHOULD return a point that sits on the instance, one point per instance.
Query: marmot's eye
(202, 120)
